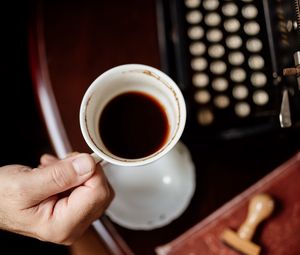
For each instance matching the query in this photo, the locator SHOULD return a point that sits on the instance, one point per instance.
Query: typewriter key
(218, 67)
(212, 19)
(234, 41)
(200, 80)
(242, 109)
(230, 9)
(258, 79)
(202, 97)
(251, 28)
(197, 48)
(254, 45)
(260, 97)
(214, 35)
(192, 3)
(238, 74)
(249, 11)
(194, 17)
(256, 62)
(199, 64)
(196, 32)
(236, 58)
(232, 25)
(205, 117)
(219, 84)
(240, 92)
(210, 5)
(216, 51)
(221, 101)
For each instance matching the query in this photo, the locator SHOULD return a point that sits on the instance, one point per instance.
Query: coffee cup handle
(97, 159)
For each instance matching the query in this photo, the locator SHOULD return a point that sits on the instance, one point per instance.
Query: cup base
(153, 195)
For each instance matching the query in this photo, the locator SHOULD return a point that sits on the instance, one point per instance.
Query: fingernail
(82, 165)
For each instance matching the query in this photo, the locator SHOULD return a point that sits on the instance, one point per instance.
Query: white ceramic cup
(130, 78)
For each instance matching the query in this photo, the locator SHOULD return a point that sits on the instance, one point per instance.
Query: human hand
(55, 202)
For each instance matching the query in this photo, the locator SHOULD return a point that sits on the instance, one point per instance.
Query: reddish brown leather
(278, 235)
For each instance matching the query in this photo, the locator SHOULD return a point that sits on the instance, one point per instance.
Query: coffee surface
(133, 125)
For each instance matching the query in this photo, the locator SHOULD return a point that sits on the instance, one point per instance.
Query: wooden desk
(71, 43)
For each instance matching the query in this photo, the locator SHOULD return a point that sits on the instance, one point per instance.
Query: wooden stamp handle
(261, 206)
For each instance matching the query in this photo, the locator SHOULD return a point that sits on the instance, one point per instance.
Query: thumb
(61, 176)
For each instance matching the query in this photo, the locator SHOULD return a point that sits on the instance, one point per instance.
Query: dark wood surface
(85, 38)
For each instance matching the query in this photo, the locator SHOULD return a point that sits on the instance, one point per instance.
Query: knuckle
(103, 198)
(104, 195)
(17, 186)
(104, 191)
(61, 176)
(19, 189)
(98, 202)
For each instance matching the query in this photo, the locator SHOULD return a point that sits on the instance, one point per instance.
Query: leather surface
(278, 235)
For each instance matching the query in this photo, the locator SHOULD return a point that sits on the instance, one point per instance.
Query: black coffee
(133, 125)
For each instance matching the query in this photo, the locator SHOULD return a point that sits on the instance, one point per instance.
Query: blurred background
(85, 38)
(23, 134)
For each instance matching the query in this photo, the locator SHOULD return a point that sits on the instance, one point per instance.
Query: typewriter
(236, 62)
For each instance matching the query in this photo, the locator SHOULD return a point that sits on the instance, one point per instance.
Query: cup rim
(156, 73)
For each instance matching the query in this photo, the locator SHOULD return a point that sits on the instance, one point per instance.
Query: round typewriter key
(251, 28)
(221, 101)
(219, 84)
(242, 109)
(234, 41)
(214, 35)
(258, 79)
(249, 11)
(260, 97)
(240, 92)
(195, 33)
(212, 19)
(238, 74)
(194, 17)
(256, 62)
(192, 3)
(205, 117)
(197, 48)
(199, 64)
(218, 67)
(236, 58)
(230, 9)
(210, 5)
(202, 97)
(200, 80)
(254, 45)
(216, 51)
(232, 25)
